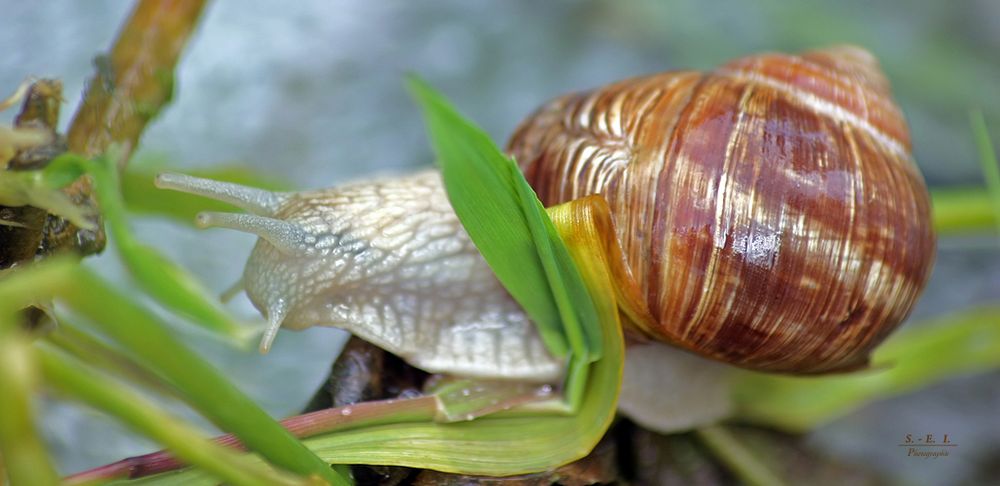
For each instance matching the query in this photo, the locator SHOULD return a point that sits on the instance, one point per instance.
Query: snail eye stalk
(250, 199)
(288, 238)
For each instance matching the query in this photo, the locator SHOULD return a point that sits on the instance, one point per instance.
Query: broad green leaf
(509, 226)
(479, 182)
(576, 308)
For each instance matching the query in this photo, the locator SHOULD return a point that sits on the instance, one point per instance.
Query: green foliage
(482, 193)
(987, 159)
(41, 189)
(509, 226)
(963, 210)
(68, 376)
(163, 279)
(23, 452)
(956, 344)
(150, 345)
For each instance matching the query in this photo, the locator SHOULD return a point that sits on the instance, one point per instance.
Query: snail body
(770, 212)
(387, 260)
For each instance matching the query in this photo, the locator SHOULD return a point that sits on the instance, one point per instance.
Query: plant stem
(734, 454)
(987, 158)
(963, 342)
(135, 80)
(132, 84)
(69, 338)
(301, 426)
(24, 455)
(963, 210)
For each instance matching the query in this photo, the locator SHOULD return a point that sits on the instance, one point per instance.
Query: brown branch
(135, 81)
(132, 84)
(22, 233)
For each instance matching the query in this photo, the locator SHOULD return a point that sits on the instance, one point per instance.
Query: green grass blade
(739, 459)
(170, 284)
(205, 388)
(38, 282)
(22, 452)
(963, 210)
(478, 180)
(69, 338)
(75, 380)
(987, 158)
(961, 343)
(148, 338)
(576, 308)
(501, 213)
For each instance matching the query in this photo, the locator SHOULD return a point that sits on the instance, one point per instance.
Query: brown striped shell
(770, 210)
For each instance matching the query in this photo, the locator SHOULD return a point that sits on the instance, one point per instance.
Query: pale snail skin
(846, 220)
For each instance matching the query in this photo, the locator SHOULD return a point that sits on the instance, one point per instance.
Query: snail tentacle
(288, 238)
(276, 312)
(235, 289)
(252, 199)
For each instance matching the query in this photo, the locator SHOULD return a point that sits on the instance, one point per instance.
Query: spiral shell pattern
(770, 210)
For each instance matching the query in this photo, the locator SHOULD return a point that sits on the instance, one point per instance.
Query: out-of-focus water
(312, 91)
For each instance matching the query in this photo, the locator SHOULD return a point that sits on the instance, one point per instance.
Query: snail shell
(770, 210)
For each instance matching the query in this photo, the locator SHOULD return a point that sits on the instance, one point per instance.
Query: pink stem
(301, 426)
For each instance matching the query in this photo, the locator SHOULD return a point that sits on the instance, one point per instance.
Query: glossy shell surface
(770, 209)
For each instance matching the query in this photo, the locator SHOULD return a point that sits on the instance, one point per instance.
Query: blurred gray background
(311, 91)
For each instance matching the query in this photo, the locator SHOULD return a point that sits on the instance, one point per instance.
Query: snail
(770, 212)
